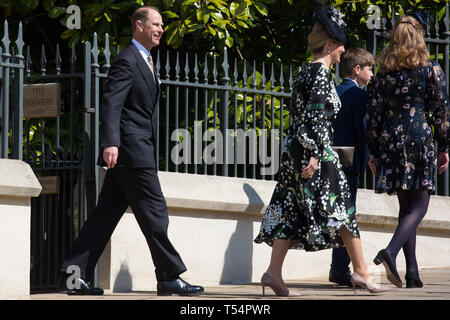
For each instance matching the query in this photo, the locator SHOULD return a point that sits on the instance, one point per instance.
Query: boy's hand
(372, 164)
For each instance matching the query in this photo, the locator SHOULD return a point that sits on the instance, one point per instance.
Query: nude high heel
(268, 281)
(358, 280)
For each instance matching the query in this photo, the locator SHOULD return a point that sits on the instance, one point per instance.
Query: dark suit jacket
(350, 124)
(128, 111)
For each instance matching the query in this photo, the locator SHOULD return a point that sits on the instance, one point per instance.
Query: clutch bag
(345, 155)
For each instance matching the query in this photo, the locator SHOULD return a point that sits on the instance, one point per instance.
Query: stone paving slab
(436, 287)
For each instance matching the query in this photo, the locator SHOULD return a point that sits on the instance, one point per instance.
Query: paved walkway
(436, 287)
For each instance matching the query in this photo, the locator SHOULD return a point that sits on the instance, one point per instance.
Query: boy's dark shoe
(340, 278)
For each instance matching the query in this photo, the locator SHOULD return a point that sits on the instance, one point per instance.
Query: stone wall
(213, 221)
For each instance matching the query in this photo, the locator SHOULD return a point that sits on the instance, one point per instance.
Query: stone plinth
(17, 185)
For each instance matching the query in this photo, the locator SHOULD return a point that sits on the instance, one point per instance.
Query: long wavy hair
(406, 49)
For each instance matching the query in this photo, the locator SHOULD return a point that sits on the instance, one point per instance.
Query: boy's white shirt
(353, 81)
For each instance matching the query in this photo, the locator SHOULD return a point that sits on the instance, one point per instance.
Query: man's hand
(372, 164)
(110, 155)
(309, 170)
(442, 161)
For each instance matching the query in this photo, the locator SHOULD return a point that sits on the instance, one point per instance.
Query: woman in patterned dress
(311, 207)
(407, 114)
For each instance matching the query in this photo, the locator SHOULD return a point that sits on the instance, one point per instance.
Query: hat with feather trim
(331, 19)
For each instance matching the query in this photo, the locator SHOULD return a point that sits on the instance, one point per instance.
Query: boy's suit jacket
(350, 124)
(128, 113)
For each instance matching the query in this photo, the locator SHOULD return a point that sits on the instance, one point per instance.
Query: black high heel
(413, 281)
(391, 271)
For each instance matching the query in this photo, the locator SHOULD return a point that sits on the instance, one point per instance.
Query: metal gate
(59, 145)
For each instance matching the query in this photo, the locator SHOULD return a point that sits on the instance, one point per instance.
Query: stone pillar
(17, 185)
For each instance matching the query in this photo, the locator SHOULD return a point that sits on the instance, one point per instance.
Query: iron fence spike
(94, 50)
(19, 42)
(254, 73)
(272, 77)
(244, 73)
(205, 70)
(6, 41)
(225, 64)
(214, 69)
(167, 69)
(58, 60)
(196, 68)
(263, 75)
(43, 61)
(235, 72)
(186, 68)
(281, 78)
(107, 53)
(177, 67)
(28, 62)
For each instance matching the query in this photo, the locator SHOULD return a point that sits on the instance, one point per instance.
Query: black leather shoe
(84, 287)
(391, 270)
(341, 278)
(413, 280)
(177, 286)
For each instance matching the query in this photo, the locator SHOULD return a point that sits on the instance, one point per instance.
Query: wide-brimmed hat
(331, 19)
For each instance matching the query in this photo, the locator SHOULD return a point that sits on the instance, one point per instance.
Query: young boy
(350, 130)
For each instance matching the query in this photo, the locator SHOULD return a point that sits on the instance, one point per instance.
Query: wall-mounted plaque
(50, 184)
(42, 100)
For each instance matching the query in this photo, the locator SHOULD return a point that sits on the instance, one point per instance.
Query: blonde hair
(407, 48)
(353, 57)
(317, 38)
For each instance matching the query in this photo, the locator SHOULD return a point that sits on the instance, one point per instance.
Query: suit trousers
(140, 189)
(340, 259)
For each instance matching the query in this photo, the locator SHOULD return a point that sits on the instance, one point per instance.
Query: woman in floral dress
(407, 114)
(311, 207)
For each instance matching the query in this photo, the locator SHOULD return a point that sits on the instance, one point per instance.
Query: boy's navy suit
(350, 130)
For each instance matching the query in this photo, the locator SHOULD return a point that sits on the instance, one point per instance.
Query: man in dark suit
(349, 129)
(127, 139)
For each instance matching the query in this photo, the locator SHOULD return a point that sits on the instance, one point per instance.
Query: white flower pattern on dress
(309, 212)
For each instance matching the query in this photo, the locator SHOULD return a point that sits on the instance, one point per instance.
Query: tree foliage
(270, 30)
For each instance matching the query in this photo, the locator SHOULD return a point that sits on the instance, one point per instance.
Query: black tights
(413, 207)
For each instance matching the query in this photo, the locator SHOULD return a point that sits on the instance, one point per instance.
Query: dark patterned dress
(309, 212)
(407, 114)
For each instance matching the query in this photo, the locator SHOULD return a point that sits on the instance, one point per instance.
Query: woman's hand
(309, 170)
(372, 164)
(442, 161)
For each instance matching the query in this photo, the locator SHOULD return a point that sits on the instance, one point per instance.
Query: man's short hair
(141, 14)
(355, 56)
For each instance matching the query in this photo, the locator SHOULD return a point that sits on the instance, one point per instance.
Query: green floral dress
(309, 212)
